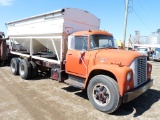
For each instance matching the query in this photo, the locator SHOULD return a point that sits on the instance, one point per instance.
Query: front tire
(103, 93)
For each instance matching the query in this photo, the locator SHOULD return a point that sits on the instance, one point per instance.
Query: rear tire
(14, 65)
(103, 93)
(25, 69)
(34, 69)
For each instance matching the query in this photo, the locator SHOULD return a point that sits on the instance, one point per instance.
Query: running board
(75, 83)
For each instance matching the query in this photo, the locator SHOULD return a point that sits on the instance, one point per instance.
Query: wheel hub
(13, 67)
(101, 94)
(22, 71)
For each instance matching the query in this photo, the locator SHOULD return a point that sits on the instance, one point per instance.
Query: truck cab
(83, 47)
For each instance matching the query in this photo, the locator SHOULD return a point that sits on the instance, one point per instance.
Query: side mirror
(82, 52)
(81, 57)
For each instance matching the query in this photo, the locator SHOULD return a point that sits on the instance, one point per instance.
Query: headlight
(129, 76)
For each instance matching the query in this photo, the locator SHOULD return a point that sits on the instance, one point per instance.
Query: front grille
(141, 70)
(139, 67)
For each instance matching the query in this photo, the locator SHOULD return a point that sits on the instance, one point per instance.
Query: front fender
(120, 74)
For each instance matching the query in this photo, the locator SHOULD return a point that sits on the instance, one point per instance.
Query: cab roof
(92, 32)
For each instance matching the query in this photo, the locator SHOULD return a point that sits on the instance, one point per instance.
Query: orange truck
(68, 42)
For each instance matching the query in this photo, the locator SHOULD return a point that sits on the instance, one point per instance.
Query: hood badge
(103, 59)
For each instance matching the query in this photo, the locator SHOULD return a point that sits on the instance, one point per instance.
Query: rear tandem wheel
(14, 65)
(25, 69)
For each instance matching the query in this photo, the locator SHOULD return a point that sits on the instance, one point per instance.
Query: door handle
(69, 54)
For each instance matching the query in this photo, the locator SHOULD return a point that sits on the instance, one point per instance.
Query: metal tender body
(49, 30)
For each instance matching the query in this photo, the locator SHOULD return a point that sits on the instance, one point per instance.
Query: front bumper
(137, 91)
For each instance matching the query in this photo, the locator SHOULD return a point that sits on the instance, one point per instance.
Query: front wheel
(103, 93)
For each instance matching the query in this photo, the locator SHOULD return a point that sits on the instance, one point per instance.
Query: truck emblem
(103, 59)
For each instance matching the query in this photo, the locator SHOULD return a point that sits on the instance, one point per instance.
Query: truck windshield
(101, 41)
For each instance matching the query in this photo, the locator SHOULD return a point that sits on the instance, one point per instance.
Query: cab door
(77, 58)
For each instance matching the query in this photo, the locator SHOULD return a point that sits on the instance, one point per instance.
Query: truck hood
(116, 56)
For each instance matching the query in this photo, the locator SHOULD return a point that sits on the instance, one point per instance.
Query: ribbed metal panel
(141, 70)
(139, 67)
